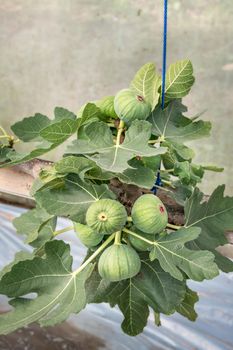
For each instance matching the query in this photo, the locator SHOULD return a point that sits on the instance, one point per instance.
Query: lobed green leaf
(186, 308)
(53, 281)
(172, 126)
(37, 225)
(152, 287)
(174, 257)
(100, 147)
(74, 199)
(50, 134)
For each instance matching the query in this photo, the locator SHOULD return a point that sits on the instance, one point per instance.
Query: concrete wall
(66, 52)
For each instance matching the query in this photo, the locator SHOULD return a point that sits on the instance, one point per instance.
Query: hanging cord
(158, 181)
(164, 53)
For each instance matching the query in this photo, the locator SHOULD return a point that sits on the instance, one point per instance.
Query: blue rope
(164, 52)
(158, 181)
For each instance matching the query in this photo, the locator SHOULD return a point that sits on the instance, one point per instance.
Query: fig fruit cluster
(121, 260)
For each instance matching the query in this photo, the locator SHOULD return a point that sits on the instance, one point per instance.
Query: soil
(62, 337)
(127, 195)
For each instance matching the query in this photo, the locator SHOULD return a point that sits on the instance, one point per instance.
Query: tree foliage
(124, 139)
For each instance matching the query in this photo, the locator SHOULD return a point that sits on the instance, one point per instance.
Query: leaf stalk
(119, 132)
(138, 236)
(174, 227)
(95, 254)
(66, 229)
(3, 131)
(117, 238)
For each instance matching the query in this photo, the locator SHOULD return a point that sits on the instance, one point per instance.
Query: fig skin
(139, 244)
(106, 216)
(119, 262)
(129, 106)
(149, 214)
(87, 236)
